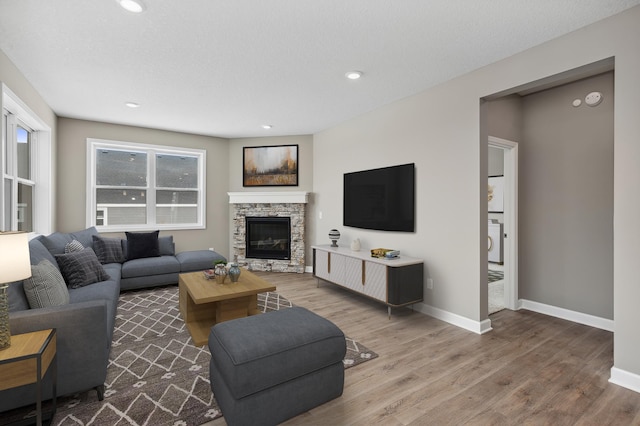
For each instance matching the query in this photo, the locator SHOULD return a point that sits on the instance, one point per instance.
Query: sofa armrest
(82, 341)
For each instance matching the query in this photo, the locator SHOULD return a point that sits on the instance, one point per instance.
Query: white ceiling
(226, 67)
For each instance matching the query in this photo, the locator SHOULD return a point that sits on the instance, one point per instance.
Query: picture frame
(496, 194)
(275, 165)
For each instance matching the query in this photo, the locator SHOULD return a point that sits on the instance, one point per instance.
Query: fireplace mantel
(284, 197)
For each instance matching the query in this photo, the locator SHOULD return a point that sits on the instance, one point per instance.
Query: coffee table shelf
(204, 303)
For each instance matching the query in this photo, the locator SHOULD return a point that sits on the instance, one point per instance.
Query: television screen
(381, 199)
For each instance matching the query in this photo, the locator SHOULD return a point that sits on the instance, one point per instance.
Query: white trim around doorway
(510, 150)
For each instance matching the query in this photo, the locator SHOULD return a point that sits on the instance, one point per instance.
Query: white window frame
(41, 158)
(93, 145)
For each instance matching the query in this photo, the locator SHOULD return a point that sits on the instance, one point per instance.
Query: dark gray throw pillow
(45, 287)
(81, 268)
(142, 244)
(108, 250)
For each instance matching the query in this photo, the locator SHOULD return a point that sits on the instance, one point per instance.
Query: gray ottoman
(268, 368)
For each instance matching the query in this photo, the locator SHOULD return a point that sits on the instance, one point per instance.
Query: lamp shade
(15, 263)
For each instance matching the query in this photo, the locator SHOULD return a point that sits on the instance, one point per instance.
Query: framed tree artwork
(270, 165)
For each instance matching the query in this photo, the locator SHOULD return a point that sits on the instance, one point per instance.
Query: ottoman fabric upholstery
(270, 367)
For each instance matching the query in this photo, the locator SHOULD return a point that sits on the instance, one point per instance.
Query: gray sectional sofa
(85, 319)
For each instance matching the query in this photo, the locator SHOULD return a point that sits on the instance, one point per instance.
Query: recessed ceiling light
(133, 6)
(267, 126)
(353, 75)
(132, 104)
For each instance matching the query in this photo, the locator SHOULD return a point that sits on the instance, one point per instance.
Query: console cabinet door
(337, 264)
(375, 280)
(330, 266)
(321, 267)
(353, 274)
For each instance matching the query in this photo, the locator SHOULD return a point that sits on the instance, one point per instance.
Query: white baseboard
(625, 379)
(579, 317)
(308, 269)
(478, 327)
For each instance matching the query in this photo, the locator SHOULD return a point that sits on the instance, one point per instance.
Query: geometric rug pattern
(155, 374)
(495, 275)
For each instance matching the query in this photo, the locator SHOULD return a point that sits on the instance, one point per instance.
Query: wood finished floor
(531, 369)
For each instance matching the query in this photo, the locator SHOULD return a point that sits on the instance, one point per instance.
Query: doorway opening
(504, 244)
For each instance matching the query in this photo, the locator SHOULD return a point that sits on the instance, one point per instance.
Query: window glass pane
(121, 196)
(25, 208)
(8, 214)
(176, 171)
(176, 214)
(125, 215)
(24, 150)
(121, 168)
(5, 155)
(176, 197)
(121, 207)
(176, 206)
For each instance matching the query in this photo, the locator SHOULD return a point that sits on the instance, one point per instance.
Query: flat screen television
(381, 199)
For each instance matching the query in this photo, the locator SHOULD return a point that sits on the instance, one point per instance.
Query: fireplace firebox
(268, 237)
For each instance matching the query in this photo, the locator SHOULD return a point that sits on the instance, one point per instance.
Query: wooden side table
(27, 361)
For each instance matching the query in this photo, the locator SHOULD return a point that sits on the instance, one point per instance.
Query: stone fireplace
(268, 208)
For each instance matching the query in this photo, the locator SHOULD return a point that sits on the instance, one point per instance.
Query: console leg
(389, 311)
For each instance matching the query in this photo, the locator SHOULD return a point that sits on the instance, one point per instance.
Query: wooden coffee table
(204, 303)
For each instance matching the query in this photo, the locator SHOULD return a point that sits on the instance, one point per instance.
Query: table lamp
(15, 265)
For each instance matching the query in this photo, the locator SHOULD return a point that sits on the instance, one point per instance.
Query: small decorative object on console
(355, 245)
(384, 253)
(334, 236)
(209, 273)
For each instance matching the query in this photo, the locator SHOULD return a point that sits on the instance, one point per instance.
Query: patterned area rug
(155, 375)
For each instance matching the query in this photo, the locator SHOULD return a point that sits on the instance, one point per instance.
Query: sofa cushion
(166, 246)
(142, 244)
(38, 252)
(45, 287)
(81, 268)
(74, 245)
(150, 266)
(85, 236)
(198, 260)
(108, 291)
(17, 297)
(108, 250)
(57, 241)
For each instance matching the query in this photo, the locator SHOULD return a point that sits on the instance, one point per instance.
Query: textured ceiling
(224, 68)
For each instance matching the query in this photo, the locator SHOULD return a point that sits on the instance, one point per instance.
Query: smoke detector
(593, 98)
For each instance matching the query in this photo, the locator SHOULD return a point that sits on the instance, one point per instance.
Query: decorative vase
(234, 270)
(334, 236)
(355, 245)
(221, 273)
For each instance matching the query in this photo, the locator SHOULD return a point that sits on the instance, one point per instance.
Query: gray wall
(305, 176)
(18, 84)
(566, 198)
(72, 170)
(444, 130)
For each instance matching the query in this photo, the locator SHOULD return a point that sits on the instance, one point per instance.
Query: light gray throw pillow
(45, 287)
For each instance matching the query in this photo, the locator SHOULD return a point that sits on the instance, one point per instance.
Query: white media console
(395, 282)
